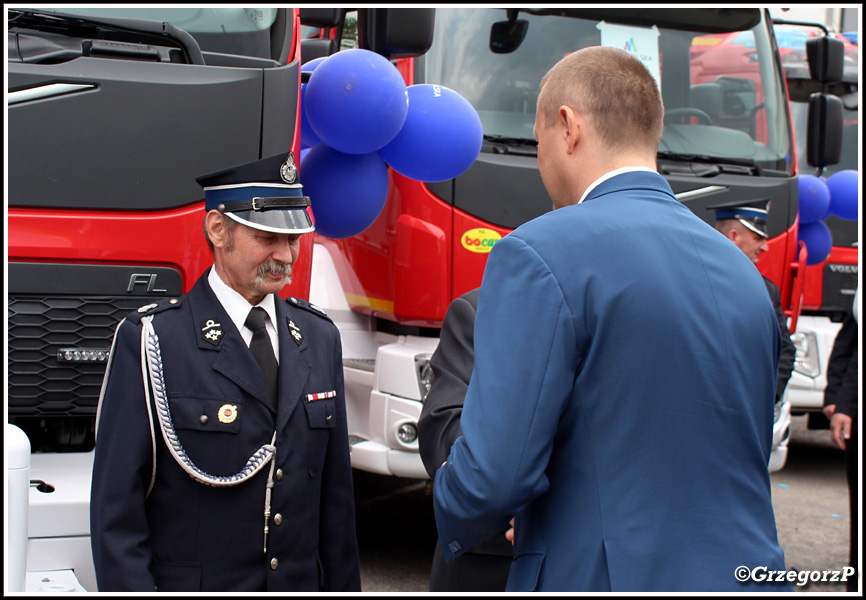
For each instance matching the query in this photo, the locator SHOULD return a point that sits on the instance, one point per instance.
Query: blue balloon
(826, 215)
(814, 198)
(347, 191)
(818, 240)
(304, 152)
(844, 188)
(441, 137)
(356, 101)
(308, 136)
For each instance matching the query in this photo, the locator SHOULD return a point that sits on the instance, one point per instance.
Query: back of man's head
(613, 90)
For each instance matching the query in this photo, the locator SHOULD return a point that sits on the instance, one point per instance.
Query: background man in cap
(745, 224)
(620, 407)
(222, 459)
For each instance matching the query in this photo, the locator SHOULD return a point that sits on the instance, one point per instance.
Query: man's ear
(733, 234)
(572, 124)
(217, 231)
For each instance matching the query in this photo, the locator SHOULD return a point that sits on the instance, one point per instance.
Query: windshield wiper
(742, 166)
(499, 144)
(134, 30)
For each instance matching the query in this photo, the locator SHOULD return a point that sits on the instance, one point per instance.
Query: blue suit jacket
(621, 404)
(187, 536)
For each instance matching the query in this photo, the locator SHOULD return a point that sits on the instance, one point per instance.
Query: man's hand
(829, 410)
(840, 428)
(509, 535)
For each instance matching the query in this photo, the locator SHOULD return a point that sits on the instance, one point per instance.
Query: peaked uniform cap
(752, 214)
(264, 194)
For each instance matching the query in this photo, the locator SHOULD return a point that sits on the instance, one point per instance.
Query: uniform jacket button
(203, 419)
(278, 519)
(274, 564)
(279, 474)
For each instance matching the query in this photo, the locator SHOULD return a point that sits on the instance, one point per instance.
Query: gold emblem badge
(228, 413)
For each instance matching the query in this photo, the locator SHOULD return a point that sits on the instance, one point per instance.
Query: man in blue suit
(621, 404)
(222, 458)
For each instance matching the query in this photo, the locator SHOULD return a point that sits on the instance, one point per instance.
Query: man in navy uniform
(222, 458)
(744, 222)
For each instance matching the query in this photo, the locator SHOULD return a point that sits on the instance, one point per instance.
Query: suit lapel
(232, 357)
(294, 364)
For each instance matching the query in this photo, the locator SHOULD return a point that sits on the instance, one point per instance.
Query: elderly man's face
(256, 263)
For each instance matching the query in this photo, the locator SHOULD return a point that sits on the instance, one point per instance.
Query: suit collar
(619, 181)
(610, 174)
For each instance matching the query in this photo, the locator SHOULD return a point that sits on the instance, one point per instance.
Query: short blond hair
(610, 88)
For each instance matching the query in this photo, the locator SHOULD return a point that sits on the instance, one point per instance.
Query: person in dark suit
(620, 408)
(222, 458)
(841, 406)
(484, 567)
(745, 224)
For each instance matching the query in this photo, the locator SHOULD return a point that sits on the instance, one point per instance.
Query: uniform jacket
(789, 351)
(187, 536)
(621, 404)
(438, 428)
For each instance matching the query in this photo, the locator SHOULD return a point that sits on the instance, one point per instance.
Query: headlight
(806, 359)
(407, 433)
(425, 374)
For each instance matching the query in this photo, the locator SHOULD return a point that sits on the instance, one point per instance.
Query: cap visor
(291, 221)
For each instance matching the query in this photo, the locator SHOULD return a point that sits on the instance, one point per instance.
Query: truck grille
(61, 316)
(39, 327)
(840, 283)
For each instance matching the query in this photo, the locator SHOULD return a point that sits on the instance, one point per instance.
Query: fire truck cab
(727, 136)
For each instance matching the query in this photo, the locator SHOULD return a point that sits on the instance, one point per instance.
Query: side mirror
(824, 130)
(396, 32)
(826, 58)
(506, 36)
(321, 18)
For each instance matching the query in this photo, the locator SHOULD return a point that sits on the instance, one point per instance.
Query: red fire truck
(111, 114)
(831, 284)
(727, 136)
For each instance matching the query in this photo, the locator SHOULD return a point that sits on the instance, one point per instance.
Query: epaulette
(308, 306)
(152, 309)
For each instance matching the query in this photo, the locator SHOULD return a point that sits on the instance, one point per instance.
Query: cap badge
(288, 171)
(228, 413)
(211, 332)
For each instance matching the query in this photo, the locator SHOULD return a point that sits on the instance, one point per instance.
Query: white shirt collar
(610, 174)
(238, 308)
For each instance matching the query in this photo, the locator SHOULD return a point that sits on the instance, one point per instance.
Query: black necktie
(262, 349)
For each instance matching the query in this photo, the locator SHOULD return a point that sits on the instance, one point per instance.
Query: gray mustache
(275, 267)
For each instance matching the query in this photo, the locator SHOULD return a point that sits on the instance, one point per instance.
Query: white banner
(641, 42)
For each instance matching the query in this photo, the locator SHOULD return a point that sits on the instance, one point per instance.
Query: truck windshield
(721, 87)
(228, 30)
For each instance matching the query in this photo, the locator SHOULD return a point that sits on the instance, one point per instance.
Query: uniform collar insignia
(211, 331)
(295, 331)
